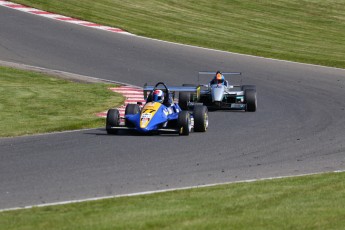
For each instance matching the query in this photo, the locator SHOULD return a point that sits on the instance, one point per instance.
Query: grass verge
(310, 31)
(308, 202)
(35, 103)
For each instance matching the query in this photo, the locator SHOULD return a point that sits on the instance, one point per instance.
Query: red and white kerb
(132, 95)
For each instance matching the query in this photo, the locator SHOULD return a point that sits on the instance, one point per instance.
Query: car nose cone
(217, 92)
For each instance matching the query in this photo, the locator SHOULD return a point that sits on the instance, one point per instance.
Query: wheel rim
(189, 124)
(206, 121)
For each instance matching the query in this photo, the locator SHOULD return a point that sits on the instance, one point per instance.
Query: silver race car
(219, 94)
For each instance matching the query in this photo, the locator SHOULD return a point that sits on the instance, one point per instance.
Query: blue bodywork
(158, 115)
(159, 118)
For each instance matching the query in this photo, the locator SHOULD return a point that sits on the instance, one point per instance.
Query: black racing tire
(184, 99)
(184, 123)
(200, 114)
(113, 120)
(245, 87)
(131, 109)
(250, 100)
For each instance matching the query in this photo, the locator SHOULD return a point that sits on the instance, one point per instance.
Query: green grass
(309, 202)
(35, 103)
(310, 31)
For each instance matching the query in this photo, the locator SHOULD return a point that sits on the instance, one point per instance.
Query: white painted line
(163, 190)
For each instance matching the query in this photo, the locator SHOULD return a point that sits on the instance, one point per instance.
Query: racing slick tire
(184, 99)
(184, 123)
(200, 114)
(131, 109)
(113, 119)
(250, 100)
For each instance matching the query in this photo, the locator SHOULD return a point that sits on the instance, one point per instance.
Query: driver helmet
(158, 96)
(219, 78)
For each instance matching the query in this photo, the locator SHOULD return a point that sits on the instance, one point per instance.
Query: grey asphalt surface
(298, 127)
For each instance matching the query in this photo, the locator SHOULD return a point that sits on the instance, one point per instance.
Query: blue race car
(159, 114)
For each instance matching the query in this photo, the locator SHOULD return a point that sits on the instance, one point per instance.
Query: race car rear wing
(225, 73)
(172, 89)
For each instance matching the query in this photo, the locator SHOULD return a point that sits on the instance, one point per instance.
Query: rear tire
(185, 98)
(184, 123)
(250, 100)
(200, 114)
(131, 109)
(113, 120)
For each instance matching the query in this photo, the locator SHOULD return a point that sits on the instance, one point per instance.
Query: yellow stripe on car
(148, 112)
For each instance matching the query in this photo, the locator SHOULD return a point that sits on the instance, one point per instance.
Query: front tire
(131, 109)
(184, 123)
(200, 114)
(250, 100)
(113, 120)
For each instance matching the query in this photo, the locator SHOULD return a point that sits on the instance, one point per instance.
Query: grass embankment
(35, 103)
(310, 202)
(310, 31)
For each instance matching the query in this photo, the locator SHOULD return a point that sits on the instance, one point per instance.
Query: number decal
(147, 113)
(148, 110)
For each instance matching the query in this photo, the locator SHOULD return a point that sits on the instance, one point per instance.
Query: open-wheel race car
(160, 114)
(219, 94)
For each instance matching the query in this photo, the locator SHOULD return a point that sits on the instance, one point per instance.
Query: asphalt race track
(298, 127)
